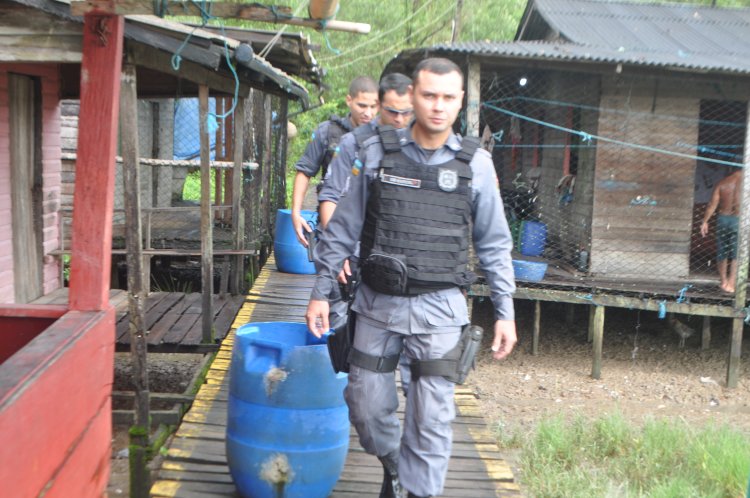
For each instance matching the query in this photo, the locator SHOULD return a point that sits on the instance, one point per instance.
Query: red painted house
(56, 362)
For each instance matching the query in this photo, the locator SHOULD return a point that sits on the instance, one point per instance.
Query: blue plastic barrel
(291, 255)
(287, 422)
(533, 238)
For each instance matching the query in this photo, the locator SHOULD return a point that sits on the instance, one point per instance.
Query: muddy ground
(644, 374)
(644, 371)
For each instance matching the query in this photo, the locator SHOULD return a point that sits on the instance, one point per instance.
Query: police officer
(395, 110)
(419, 191)
(362, 101)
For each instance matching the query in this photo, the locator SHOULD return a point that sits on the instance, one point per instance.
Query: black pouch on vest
(386, 274)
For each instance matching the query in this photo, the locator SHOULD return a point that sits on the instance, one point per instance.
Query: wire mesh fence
(170, 178)
(607, 180)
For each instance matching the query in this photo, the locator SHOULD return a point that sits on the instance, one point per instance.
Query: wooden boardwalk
(195, 464)
(173, 319)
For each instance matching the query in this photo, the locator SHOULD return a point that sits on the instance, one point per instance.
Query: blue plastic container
(287, 422)
(529, 270)
(291, 255)
(532, 238)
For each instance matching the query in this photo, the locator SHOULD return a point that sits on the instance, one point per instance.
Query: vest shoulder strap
(469, 146)
(389, 139)
(362, 134)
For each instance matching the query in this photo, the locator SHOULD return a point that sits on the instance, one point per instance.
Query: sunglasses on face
(397, 112)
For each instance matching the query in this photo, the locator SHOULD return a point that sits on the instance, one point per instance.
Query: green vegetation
(608, 456)
(191, 191)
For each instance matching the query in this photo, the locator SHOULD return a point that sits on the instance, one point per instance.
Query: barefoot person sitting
(725, 197)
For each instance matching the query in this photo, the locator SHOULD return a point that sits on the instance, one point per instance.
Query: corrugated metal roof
(670, 36)
(539, 50)
(688, 31)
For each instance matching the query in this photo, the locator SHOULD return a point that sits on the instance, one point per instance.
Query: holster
(457, 362)
(340, 343)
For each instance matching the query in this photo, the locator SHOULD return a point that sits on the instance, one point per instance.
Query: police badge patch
(447, 179)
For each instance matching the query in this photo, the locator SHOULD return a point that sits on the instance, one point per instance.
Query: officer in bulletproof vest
(420, 190)
(362, 101)
(395, 111)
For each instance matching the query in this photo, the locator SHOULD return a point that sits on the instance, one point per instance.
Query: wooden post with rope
(249, 12)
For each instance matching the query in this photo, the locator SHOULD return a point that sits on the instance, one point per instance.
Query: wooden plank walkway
(195, 464)
(173, 319)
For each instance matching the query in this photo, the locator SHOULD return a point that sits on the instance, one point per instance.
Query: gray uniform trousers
(373, 401)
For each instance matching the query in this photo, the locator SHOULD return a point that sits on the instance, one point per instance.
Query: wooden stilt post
(91, 261)
(570, 315)
(473, 98)
(743, 255)
(596, 329)
(140, 480)
(238, 214)
(207, 249)
(706, 333)
(592, 312)
(537, 323)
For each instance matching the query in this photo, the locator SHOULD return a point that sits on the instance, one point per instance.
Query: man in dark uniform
(421, 189)
(362, 101)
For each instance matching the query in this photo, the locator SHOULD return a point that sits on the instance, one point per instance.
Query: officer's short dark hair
(362, 84)
(397, 82)
(436, 65)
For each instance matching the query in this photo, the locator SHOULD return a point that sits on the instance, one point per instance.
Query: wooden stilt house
(56, 361)
(611, 124)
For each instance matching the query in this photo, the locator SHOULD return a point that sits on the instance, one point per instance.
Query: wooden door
(26, 185)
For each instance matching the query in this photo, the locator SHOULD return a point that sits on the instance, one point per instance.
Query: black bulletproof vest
(336, 130)
(416, 233)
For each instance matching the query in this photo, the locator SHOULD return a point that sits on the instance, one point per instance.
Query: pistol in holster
(457, 362)
(311, 239)
(341, 340)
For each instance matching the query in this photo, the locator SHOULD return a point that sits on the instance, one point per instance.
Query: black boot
(412, 495)
(391, 487)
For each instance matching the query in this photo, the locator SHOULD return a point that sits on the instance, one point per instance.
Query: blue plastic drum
(287, 422)
(291, 255)
(533, 238)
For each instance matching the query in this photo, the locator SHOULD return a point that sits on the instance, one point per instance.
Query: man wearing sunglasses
(395, 110)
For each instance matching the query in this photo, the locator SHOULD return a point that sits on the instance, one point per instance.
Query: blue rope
(204, 6)
(589, 137)
(681, 295)
(662, 310)
(617, 111)
(324, 31)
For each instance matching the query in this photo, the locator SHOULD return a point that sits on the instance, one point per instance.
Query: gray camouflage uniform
(426, 326)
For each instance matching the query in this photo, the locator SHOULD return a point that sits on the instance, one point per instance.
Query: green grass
(191, 191)
(610, 457)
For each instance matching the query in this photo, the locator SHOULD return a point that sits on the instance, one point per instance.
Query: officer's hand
(345, 273)
(505, 338)
(300, 227)
(317, 317)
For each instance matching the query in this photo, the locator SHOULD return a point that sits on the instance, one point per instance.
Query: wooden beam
(473, 97)
(706, 333)
(537, 327)
(207, 260)
(95, 170)
(617, 301)
(743, 258)
(238, 214)
(158, 60)
(249, 12)
(596, 330)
